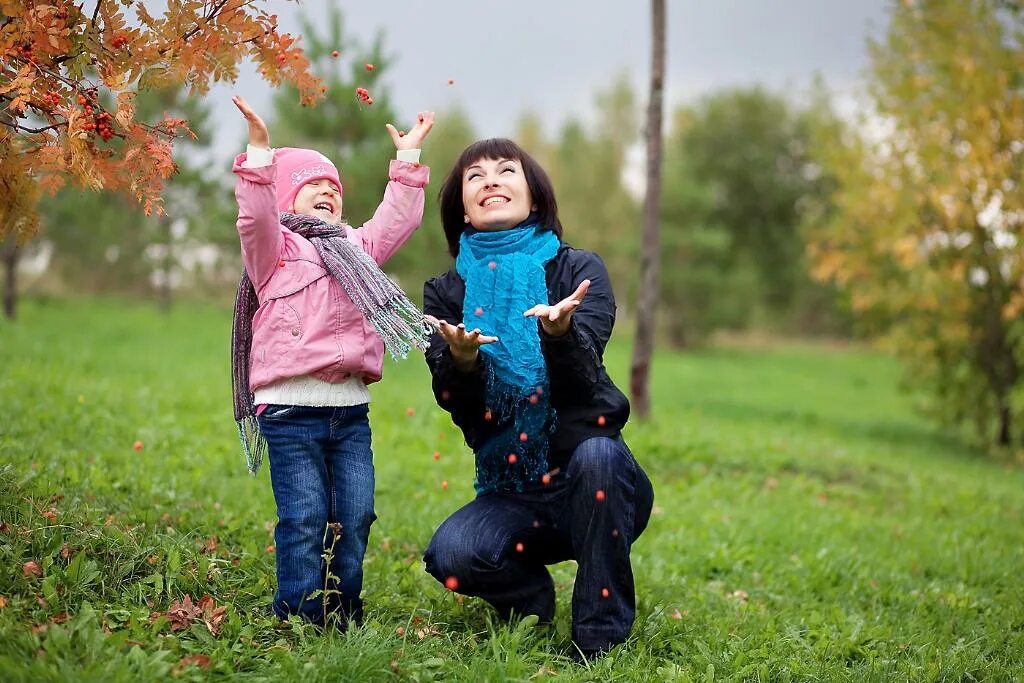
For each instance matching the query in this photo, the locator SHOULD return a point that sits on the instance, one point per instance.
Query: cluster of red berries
(364, 95)
(25, 50)
(119, 41)
(101, 121)
(51, 99)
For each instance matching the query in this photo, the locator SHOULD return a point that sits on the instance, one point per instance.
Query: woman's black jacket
(585, 400)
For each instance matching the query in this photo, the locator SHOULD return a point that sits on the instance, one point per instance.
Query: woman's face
(495, 194)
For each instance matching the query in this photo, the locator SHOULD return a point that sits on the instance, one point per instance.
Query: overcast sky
(552, 56)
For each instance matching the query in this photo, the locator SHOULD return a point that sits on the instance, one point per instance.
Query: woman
(521, 325)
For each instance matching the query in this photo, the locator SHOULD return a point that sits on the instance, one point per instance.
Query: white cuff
(410, 155)
(256, 157)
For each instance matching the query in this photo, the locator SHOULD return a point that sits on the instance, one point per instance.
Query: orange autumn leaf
(63, 61)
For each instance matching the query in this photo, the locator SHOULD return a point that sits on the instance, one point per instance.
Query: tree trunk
(647, 297)
(10, 258)
(1004, 426)
(163, 295)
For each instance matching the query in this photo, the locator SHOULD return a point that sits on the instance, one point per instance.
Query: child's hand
(258, 134)
(414, 138)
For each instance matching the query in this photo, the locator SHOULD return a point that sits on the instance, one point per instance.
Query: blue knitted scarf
(504, 276)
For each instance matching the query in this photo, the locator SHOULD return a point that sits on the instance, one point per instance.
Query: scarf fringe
(511, 407)
(253, 443)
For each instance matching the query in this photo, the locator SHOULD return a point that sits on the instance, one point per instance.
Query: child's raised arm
(258, 223)
(401, 210)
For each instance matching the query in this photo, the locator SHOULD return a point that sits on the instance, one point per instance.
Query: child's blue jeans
(321, 470)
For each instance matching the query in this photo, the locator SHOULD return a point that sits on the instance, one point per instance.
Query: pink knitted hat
(295, 168)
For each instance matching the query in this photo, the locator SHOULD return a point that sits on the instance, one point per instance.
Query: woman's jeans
(497, 546)
(321, 470)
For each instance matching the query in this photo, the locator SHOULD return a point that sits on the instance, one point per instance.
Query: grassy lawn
(808, 526)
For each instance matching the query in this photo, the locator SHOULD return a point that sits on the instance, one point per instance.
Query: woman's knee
(599, 460)
(449, 552)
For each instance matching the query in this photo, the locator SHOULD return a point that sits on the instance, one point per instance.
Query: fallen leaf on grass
(182, 614)
(201, 661)
(31, 568)
(213, 616)
(3, 602)
(432, 630)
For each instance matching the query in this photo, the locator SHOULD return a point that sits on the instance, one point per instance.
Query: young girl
(313, 315)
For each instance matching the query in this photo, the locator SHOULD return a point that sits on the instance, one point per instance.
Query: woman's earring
(465, 219)
(534, 208)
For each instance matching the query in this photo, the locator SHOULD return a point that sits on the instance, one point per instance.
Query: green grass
(808, 526)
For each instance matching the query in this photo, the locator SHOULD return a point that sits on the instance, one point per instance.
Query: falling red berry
(545, 479)
(451, 583)
(523, 437)
(604, 593)
(270, 548)
(492, 265)
(409, 411)
(479, 311)
(519, 547)
(451, 81)
(601, 421)
(512, 458)
(444, 485)
(369, 67)
(334, 53)
(599, 495)
(137, 445)
(445, 395)
(615, 533)
(437, 455)
(540, 391)
(488, 416)
(533, 399)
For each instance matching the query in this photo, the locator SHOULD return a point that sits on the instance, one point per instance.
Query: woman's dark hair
(450, 197)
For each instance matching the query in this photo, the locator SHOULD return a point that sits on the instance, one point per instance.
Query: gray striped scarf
(396, 319)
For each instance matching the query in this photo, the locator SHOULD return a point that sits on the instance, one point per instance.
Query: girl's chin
(327, 217)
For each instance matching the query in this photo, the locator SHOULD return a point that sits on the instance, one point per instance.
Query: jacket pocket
(277, 331)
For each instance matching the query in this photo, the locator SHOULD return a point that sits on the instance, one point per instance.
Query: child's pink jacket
(306, 323)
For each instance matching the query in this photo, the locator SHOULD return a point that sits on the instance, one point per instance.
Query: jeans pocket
(275, 411)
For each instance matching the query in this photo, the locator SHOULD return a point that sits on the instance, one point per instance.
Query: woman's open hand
(464, 344)
(555, 320)
(258, 134)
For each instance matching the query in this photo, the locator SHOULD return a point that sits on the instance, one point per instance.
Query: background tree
(103, 243)
(68, 80)
(929, 211)
(739, 177)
